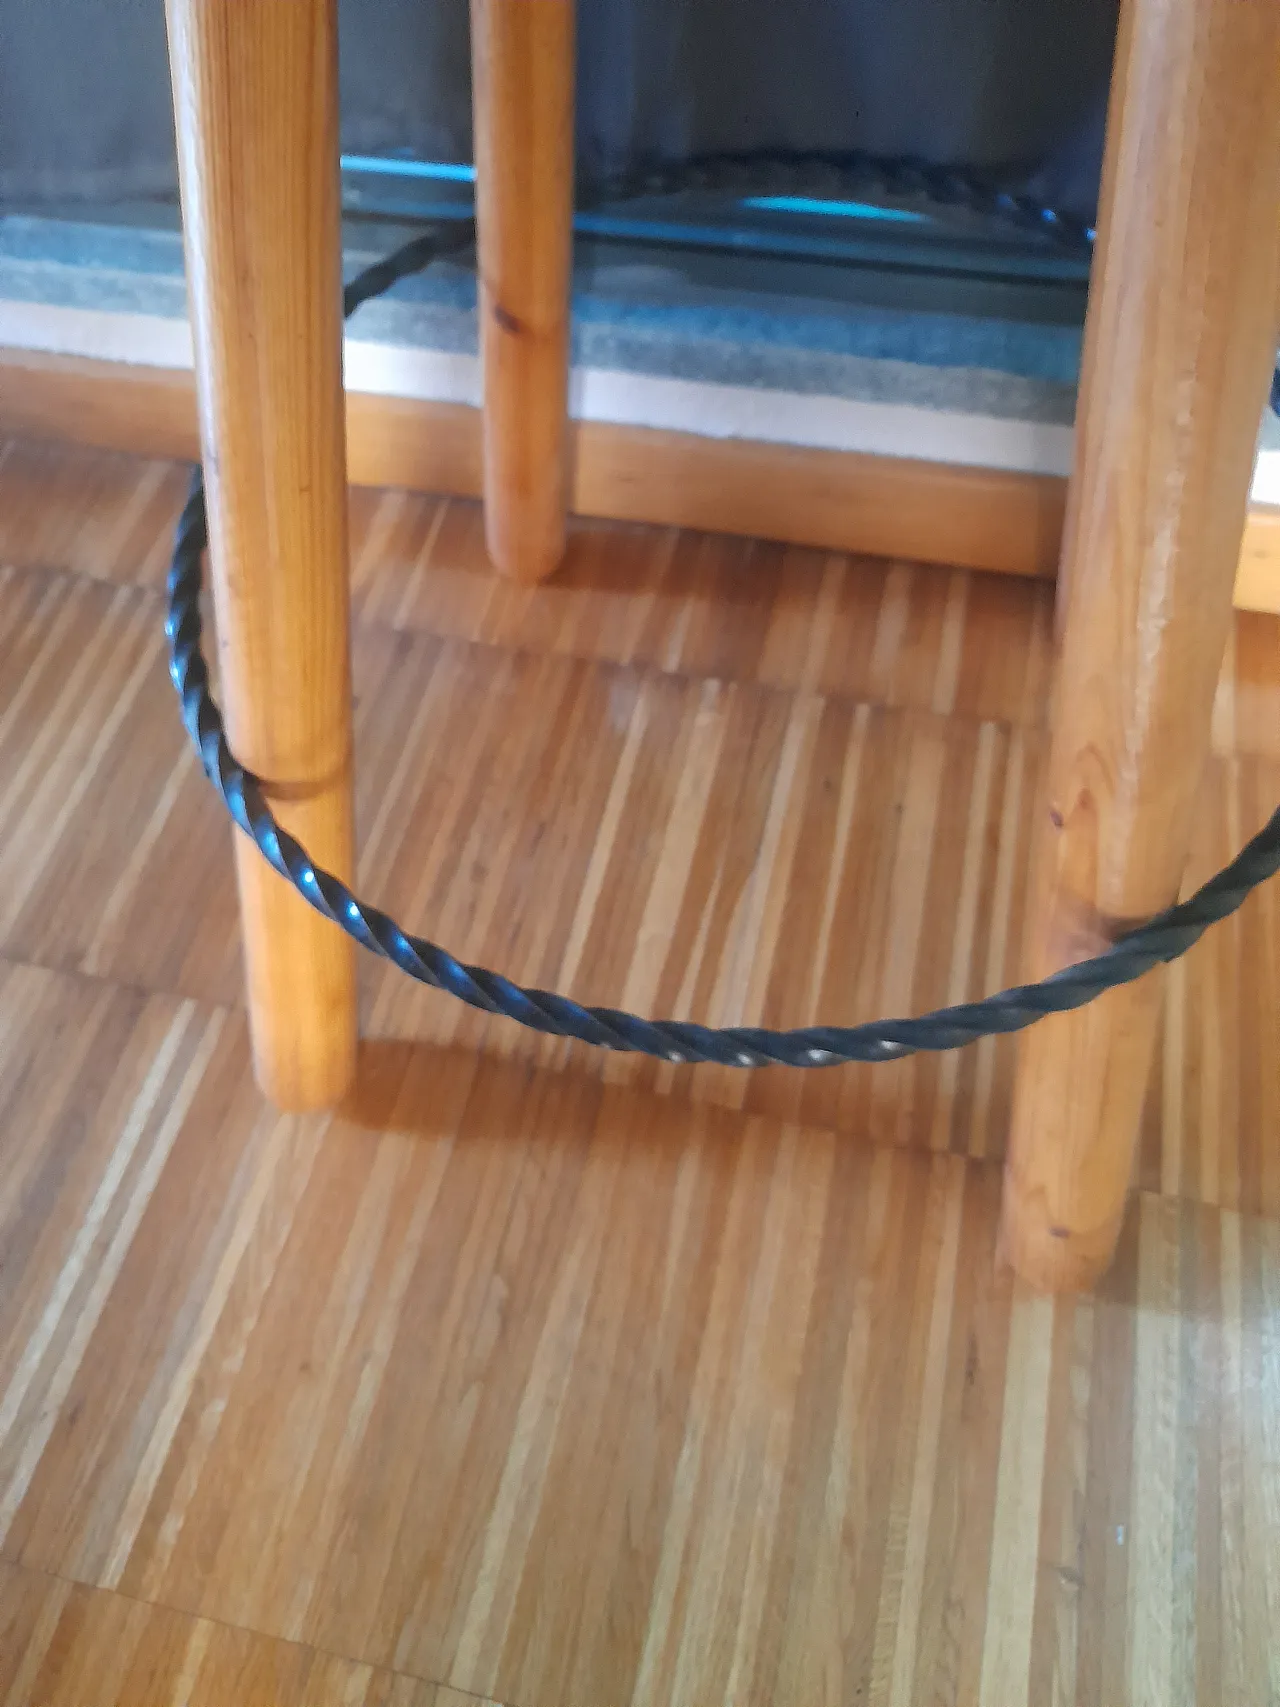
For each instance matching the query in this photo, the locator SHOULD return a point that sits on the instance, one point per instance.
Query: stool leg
(1183, 319)
(522, 96)
(255, 99)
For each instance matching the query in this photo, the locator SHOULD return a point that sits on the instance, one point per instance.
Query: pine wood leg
(522, 81)
(255, 99)
(1182, 313)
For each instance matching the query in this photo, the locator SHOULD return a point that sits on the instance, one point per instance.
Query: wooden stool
(1178, 347)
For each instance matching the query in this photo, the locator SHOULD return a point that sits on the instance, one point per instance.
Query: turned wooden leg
(1182, 312)
(255, 98)
(522, 99)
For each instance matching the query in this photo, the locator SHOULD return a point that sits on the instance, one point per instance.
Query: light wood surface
(525, 1379)
(869, 739)
(1258, 577)
(66, 1645)
(1180, 347)
(558, 1392)
(831, 500)
(522, 96)
(256, 105)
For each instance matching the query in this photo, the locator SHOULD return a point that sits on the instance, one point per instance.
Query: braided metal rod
(854, 174)
(1163, 938)
(412, 257)
(833, 173)
(825, 172)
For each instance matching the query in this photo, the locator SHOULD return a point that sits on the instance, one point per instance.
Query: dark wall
(84, 96)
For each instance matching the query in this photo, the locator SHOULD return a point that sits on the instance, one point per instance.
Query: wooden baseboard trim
(1258, 578)
(929, 512)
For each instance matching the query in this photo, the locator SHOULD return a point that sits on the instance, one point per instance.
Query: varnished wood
(79, 400)
(65, 1645)
(522, 95)
(842, 500)
(1258, 577)
(529, 1377)
(549, 1391)
(745, 782)
(1181, 346)
(256, 104)
(831, 500)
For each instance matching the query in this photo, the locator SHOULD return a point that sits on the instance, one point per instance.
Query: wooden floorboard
(64, 1645)
(896, 634)
(647, 786)
(562, 1392)
(984, 518)
(545, 1378)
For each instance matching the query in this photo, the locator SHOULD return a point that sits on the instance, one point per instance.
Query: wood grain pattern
(834, 501)
(1258, 577)
(889, 632)
(1182, 347)
(700, 814)
(523, 1379)
(522, 91)
(65, 1645)
(255, 89)
(550, 1390)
